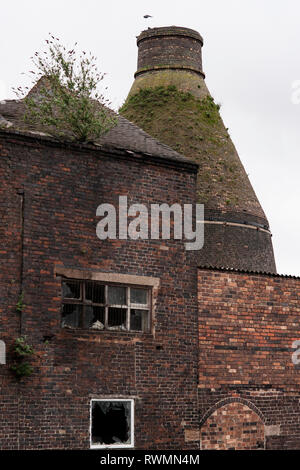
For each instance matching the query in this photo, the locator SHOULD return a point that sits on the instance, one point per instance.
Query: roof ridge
(148, 136)
(125, 135)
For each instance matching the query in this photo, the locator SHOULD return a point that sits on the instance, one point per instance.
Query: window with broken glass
(98, 306)
(112, 423)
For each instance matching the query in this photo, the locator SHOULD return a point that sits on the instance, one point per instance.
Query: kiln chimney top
(170, 47)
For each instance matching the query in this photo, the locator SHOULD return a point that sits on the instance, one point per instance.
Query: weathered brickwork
(212, 374)
(247, 325)
(61, 187)
(169, 47)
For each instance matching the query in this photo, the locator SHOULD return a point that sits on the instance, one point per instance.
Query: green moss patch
(194, 128)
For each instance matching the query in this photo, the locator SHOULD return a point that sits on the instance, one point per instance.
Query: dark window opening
(71, 315)
(112, 423)
(95, 292)
(117, 318)
(71, 290)
(117, 295)
(99, 306)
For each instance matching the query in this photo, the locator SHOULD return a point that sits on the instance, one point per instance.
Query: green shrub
(67, 103)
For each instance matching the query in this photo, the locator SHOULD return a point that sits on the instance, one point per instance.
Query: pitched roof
(125, 135)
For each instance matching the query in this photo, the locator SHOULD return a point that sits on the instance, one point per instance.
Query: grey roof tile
(125, 135)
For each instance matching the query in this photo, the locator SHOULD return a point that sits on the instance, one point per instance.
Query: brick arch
(223, 402)
(232, 423)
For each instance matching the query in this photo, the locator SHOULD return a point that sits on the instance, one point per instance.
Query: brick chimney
(169, 99)
(170, 48)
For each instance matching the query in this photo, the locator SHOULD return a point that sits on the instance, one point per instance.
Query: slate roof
(124, 136)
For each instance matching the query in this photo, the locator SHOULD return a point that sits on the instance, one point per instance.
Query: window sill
(125, 446)
(104, 333)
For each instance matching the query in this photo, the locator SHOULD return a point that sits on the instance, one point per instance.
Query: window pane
(117, 295)
(71, 315)
(117, 318)
(138, 296)
(138, 320)
(94, 317)
(71, 289)
(111, 423)
(95, 292)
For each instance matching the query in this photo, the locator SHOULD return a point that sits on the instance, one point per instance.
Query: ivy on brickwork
(20, 304)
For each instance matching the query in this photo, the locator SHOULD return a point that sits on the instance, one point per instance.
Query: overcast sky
(251, 58)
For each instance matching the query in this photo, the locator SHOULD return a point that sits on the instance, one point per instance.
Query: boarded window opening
(112, 423)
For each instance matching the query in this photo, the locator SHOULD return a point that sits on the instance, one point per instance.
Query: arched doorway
(233, 426)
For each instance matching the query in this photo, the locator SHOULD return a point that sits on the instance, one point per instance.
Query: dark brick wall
(247, 324)
(62, 188)
(237, 239)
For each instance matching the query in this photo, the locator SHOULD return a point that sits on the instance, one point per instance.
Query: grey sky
(251, 58)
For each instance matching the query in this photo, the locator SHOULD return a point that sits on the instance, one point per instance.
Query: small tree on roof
(65, 100)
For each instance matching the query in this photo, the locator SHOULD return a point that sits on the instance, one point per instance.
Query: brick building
(142, 343)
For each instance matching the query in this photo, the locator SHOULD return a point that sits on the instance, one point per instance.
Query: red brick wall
(62, 188)
(247, 324)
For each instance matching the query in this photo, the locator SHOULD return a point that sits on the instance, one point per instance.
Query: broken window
(99, 306)
(112, 423)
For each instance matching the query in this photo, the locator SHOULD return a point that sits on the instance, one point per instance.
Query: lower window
(112, 423)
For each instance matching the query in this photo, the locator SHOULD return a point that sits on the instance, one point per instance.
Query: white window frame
(117, 445)
(2, 352)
